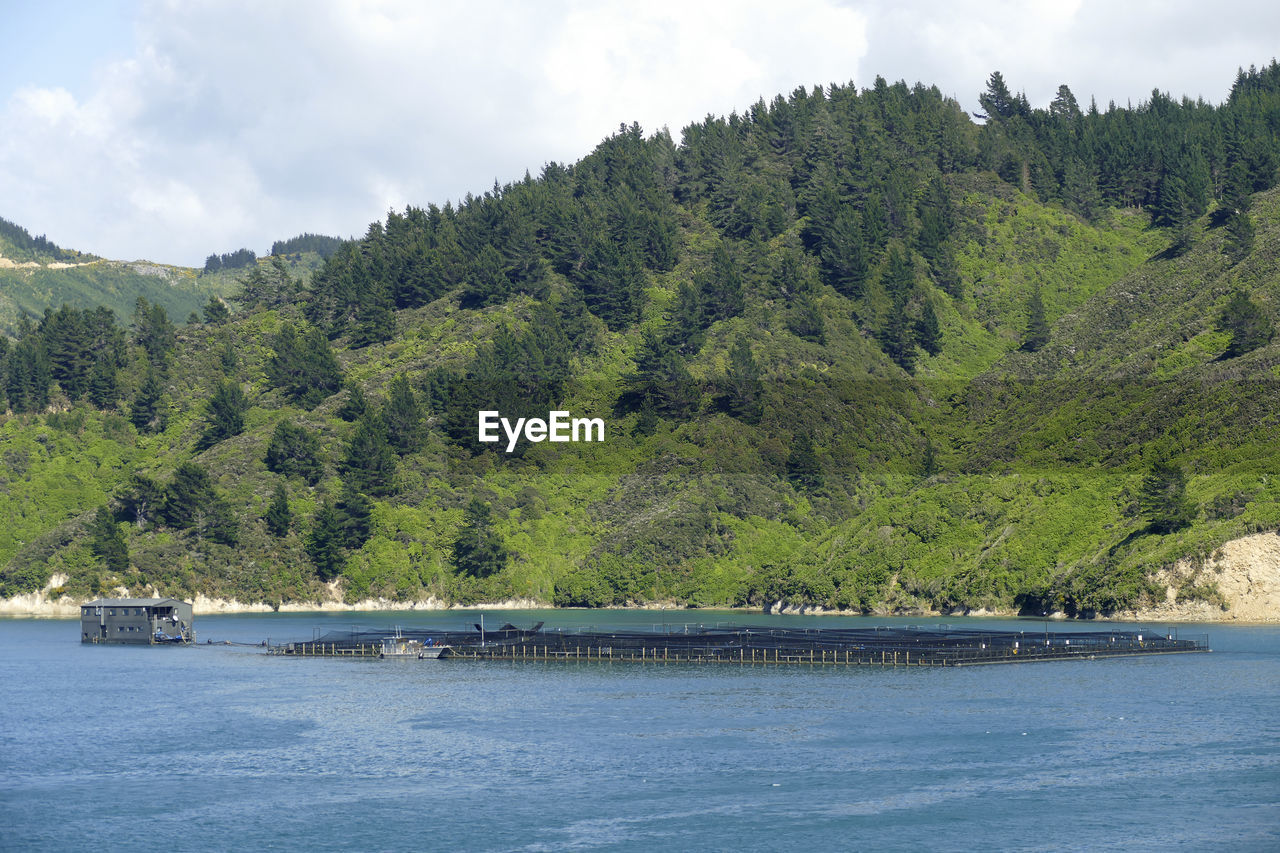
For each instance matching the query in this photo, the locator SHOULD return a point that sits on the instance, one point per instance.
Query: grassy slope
(90, 282)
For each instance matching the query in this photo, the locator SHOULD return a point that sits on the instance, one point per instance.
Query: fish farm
(745, 645)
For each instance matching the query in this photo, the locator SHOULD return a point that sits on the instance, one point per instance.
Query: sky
(172, 129)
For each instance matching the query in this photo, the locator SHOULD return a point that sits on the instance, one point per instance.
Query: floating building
(142, 621)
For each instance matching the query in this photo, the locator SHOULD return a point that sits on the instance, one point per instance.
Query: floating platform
(880, 646)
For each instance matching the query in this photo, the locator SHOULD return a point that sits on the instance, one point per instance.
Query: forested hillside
(852, 348)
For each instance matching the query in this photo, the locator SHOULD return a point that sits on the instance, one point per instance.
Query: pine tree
(806, 320)
(803, 468)
(929, 330)
(375, 321)
(404, 417)
(1240, 236)
(845, 266)
(224, 414)
(1037, 333)
(324, 541)
(929, 462)
(294, 450)
(303, 365)
(1247, 323)
(1064, 105)
(745, 391)
(899, 278)
(479, 550)
(215, 312)
(997, 100)
(355, 513)
(897, 339)
(148, 412)
(153, 331)
(354, 407)
(1080, 190)
(722, 286)
(140, 500)
(278, 517)
(647, 421)
(107, 543)
(28, 375)
(104, 384)
(370, 464)
(188, 496)
(1163, 497)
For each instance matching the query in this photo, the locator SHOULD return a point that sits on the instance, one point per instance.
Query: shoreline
(38, 606)
(1244, 575)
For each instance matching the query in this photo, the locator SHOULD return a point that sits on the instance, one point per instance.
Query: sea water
(221, 747)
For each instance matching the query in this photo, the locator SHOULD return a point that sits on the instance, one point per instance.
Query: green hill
(851, 348)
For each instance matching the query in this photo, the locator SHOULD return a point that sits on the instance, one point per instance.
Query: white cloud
(236, 122)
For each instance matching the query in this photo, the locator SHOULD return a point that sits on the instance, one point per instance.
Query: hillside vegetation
(852, 349)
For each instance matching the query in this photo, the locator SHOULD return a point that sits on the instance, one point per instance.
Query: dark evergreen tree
(104, 384)
(806, 320)
(215, 312)
(294, 450)
(1064, 106)
(148, 411)
(844, 255)
(269, 286)
(278, 517)
(897, 338)
(1080, 192)
(303, 365)
(153, 331)
(405, 429)
(188, 497)
(1247, 323)
(647, 420)
(929, 330)
(354, 407)
(224, 414)
(324, 542)
(28, 375)
(745, 391)
(375, 321)
(803, 467)
(999, 102)
(1037, 333)
(1240, 236)
(722, 286)
(355, 512)
(1163, 497)
(688, 320)
(929, 461)
(899, 278)
(140, 501)
(875, 223)
(370, 463)
(107, 543)
(479, 550)
(662, 377)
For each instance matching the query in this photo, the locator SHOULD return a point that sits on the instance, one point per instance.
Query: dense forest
(853, 347)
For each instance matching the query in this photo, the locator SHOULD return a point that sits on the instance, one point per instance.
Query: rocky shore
(1243, 577)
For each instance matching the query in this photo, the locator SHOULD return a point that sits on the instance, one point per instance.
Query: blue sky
(61, 42)
(172, 129)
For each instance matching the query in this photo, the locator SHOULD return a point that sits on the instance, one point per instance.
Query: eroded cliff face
(1246, 573)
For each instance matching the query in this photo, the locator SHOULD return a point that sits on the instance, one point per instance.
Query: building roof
(131, 602)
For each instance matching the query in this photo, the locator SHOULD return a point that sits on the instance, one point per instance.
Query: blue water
(225, 748)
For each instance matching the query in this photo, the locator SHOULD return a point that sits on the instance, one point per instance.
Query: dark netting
(940, 646)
